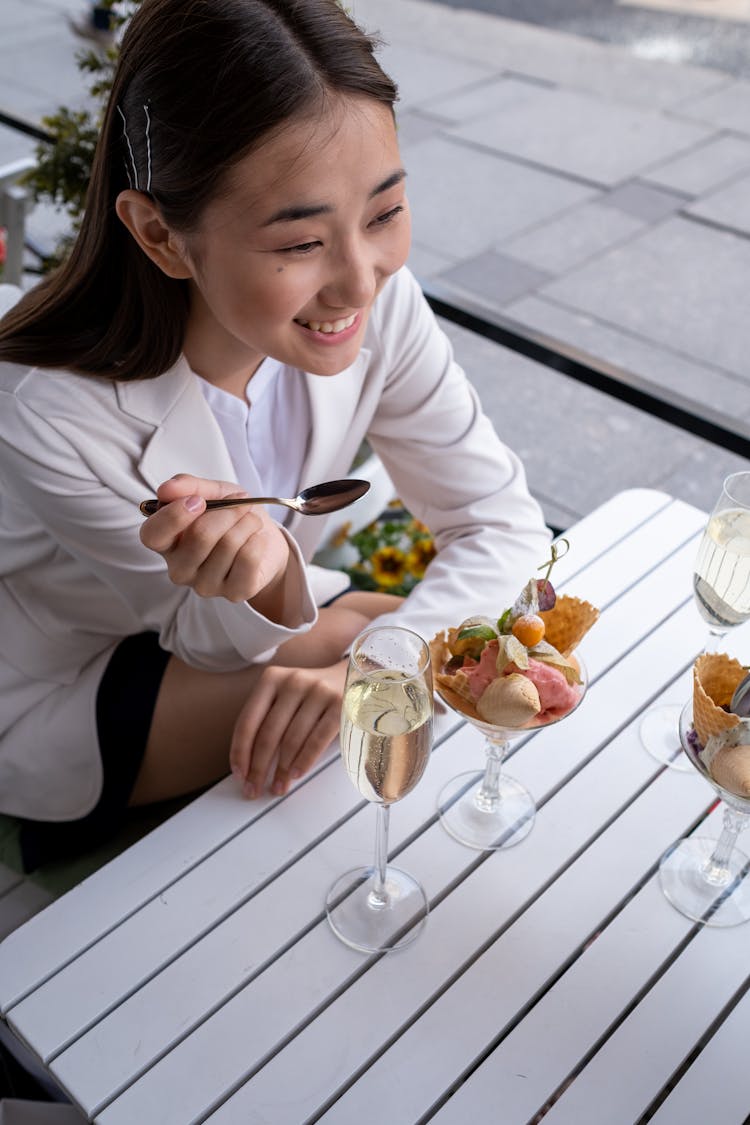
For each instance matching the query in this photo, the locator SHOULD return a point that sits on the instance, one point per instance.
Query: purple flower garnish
(695, 743)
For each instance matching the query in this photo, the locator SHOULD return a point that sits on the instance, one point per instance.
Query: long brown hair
(198, 83)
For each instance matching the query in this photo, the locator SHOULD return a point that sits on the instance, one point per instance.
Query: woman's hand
(289, 720)
(234, 553)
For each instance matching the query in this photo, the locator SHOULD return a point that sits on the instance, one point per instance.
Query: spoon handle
(148, 507)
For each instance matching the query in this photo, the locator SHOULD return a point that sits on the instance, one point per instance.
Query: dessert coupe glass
(486, 809)
(709, 880)
(386, 739)
(721, 589)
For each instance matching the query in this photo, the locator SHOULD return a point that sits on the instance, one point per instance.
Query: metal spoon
(740, 702)
(317, 500)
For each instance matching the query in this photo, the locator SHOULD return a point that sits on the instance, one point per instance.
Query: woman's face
(289, 260)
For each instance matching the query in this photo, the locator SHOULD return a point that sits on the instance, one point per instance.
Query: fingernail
(237, 773)
(248, 790)
(295, 774)
(194, 503)
(278, 788)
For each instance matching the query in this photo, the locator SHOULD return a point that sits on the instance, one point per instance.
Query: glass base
(487, 829)
(660, 735)
(360, 921)
(683, 881)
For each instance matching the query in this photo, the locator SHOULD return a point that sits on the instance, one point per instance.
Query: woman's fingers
(164, 529)
(287, 723)
(235, 553)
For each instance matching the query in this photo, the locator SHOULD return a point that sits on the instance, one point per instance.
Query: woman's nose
(353, 283)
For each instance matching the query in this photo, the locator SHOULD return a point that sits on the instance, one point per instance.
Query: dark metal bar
(678, 410)
(26, 127)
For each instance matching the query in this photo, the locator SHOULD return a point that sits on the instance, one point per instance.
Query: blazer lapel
(186, 438)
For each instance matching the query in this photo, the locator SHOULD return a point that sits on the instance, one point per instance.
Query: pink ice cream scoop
(556, 696)
(481, 673)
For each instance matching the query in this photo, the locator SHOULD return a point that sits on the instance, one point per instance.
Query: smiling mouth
(329, 327)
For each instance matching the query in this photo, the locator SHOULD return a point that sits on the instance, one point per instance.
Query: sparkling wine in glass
(721, 589)
(386, 739)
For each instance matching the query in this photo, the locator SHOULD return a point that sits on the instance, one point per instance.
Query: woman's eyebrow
(294, 213)
(395, 178)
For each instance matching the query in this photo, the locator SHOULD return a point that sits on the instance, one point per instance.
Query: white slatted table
(195, 978)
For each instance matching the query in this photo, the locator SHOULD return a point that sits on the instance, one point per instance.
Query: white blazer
(77, 455)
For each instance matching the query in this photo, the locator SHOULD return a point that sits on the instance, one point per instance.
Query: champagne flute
(721, 590)
(386, 738)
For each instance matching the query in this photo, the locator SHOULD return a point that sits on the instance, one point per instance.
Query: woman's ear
(142, 217)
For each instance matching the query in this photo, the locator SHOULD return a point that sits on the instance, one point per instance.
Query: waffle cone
(566, 624)
(715, 676)
(446, 684)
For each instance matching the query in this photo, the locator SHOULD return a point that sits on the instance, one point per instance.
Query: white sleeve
(89, 532)
(452, 471)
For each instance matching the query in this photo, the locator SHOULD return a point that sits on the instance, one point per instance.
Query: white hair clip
(130, 150)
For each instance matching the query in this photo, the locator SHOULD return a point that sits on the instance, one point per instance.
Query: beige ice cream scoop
(511, 701)
(730, 768)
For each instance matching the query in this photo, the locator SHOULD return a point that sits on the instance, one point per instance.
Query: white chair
(14, 202)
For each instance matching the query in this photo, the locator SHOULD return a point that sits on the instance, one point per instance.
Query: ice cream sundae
(721, 738)
(519, 671)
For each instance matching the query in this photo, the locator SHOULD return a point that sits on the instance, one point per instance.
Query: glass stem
(714, 639)
(488, 797)
(716, 870)
(378, 896)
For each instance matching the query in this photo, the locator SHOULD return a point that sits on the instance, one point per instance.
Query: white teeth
(329, 326)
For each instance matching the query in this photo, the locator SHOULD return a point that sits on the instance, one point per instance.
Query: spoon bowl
(740, 704)
(317, 500)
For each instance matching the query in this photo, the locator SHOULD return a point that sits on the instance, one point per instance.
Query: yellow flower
(416, 527)
(388, 566)
(420, 556)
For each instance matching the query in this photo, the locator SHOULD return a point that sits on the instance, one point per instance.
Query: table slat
(408, 1076)
(719, 1076)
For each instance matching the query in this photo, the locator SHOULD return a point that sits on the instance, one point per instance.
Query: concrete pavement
(600, 198)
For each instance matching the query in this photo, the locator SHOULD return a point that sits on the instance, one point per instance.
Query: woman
(235, 316)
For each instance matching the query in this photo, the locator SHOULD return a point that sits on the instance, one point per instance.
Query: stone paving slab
(425, 263)
(495, 278)
(550, 55)
(13, 146)
(666, 368)
(729, 207)
(570, 239)
(679, 284)
(427, 74)
(601, 142)
(644, 201)
(55, 75)
(704, 168)
(727, 107)
(579, 446)
(501, 93)
(452, 185)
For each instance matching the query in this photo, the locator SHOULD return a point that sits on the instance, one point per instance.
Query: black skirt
(125, 705)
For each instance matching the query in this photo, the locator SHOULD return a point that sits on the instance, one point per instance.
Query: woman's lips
(331, 331)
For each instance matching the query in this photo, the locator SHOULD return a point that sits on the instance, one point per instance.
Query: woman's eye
(388, 216)
(302, 248)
